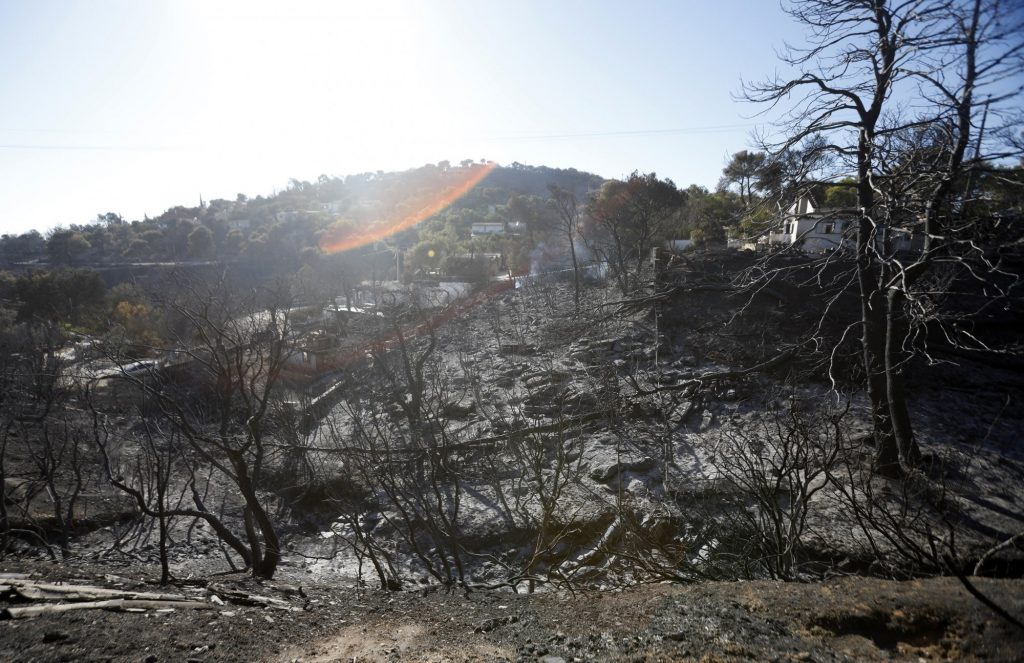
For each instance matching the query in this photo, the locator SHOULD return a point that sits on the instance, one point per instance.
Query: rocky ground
(845, 619)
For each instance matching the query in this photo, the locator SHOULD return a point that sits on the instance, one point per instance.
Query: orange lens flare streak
(345, 240)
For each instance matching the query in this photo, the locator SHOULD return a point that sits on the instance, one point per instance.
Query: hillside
(405, 409)
(655, 444)
(281, 226)
(756, 397)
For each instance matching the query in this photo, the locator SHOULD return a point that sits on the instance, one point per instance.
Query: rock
(657, 529)
(490, 624)
(577, 401)
(552, 659)
(458, 410)
(636, 486)
(607, 472)
(507, 349)
(669, 376)
(626, 345)
(548, 377)
(581, 354)
(15, 490)
(546, 396)
(683, 414)
(706, 421)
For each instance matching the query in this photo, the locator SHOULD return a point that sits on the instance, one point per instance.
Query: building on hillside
(315, 353)
(813, 229)
(422, 294)
(291, 216)
(515, 228)
(678, 245)
(809, 228)
(467, 265)
(487, 228)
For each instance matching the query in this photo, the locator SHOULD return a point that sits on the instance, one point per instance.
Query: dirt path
(850, 619)
(846, 620)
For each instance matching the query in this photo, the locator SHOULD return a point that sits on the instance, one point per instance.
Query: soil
(845, 619)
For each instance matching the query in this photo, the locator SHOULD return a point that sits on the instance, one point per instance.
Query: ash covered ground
(622, 480)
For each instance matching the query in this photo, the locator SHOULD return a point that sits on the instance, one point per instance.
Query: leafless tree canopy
(913, 100)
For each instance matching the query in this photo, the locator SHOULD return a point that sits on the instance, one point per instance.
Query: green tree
(74, 296)
(742, 170)
(424, 256)
(706, 215)
(234, 242)
(66, 247)
(627, 219)
(200, 242)
(842, 195)
(136, 249)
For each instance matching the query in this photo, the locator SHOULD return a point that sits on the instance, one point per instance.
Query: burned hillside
(512, 441)
(741, 383)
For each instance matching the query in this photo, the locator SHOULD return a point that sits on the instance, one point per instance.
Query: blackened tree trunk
(839, 111)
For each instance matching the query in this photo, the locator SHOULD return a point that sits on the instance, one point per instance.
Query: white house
(290, 216)
(334, 206)
(679, 245)
(422, 294)
(488, 228)
(813, 229)
(817, 230)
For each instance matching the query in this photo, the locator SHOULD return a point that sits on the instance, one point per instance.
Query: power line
(89, 148)
(638, 132)
(524, 137)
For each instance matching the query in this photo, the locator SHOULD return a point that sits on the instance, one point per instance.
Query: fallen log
(244, 598)
(43, 591)
(118, 605)
(561, 424)
(701, 380)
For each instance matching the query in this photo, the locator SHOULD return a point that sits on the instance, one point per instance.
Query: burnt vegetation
(559, 382)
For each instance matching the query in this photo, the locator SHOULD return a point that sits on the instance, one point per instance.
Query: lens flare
(334, 241)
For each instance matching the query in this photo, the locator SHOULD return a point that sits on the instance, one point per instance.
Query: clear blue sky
(134, 106)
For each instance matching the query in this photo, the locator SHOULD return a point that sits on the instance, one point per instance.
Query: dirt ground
(846, 619)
